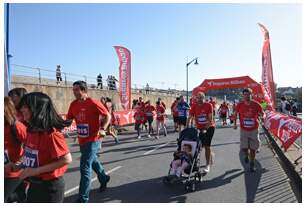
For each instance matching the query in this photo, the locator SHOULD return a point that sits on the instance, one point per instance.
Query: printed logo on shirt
(83, 130)
(248, 122)
(181, 113)
(30, 158)
(6, 157)
(202, 119)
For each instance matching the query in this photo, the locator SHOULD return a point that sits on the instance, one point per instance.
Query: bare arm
(29, 172)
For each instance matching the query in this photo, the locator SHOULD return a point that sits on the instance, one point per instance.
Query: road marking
(148, 152)
(92, 180)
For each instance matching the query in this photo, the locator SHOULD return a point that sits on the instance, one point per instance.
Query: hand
(9, 167)
(29, 172)
(102, 133)
(235, 126)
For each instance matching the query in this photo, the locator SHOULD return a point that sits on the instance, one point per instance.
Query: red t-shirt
(12, 150)
(174, 109)
(201, 112)
(223, 109)
(42, 148)
(87, 117)
(149, 110)
(248, 115)
(139, 117)
(142, 105)
(160, 113)
(213, 103)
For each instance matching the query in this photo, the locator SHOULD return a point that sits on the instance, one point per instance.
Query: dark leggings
(14, 190)
(46, 191)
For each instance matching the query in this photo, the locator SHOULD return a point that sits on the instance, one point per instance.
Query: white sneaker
(149, 136)
(157, 137)
(207, 168)
(139, 137)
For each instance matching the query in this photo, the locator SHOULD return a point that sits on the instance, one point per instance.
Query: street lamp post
(195, 60)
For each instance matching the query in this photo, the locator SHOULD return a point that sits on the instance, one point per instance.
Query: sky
(225, 38)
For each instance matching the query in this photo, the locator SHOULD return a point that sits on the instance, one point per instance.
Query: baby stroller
(192, 172)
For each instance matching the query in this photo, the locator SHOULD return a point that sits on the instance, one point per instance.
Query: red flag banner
(287, 129)
(124, 56)
(267, 71)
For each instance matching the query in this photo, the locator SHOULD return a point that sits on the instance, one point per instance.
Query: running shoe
(104, 184)
(207, 168)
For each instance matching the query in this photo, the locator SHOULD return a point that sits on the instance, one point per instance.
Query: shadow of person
(220, 180)
(143, 191)
(251, 179)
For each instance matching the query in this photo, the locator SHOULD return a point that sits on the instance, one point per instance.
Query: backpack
(287, 106)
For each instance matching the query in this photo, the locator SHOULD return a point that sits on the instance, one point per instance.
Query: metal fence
(43, 76)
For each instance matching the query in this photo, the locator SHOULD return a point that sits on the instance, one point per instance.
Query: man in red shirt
(160, 119)
(148, 110)
(139, 117)
(202, 113)
(213, 103)
(175, 113)
(223, 111)
(249, 113)
(86, 112)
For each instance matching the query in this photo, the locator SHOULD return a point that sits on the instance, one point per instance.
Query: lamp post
(195, 60)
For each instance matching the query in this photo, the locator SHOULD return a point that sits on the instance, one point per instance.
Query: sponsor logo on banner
(124, 76)
(287, 129)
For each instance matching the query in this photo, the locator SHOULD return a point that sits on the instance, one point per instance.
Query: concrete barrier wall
(62, 96)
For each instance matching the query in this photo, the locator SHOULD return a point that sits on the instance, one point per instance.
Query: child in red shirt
(139, 117)
(160, 119)
(46, 154)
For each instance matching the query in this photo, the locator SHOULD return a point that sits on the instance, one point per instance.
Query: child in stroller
(186, 160)
(182, 160)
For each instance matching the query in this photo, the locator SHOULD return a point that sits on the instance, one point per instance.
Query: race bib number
(248, 122)
(83, 130)
(202, 119)
(30, 158)
(181, 113)
(6, 157)
(149, 114)
(159, 114)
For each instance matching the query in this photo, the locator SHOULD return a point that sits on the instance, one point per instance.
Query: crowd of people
(37, 155)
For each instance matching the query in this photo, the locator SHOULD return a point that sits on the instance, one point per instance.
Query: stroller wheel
(193, 187)
(198, 176)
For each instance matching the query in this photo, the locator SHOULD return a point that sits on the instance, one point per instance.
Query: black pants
(46, 191)
(14, 190)
(207, 136)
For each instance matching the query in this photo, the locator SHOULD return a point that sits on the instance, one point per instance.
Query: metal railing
(43, 76)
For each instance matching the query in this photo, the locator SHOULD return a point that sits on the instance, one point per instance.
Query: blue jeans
(89, 161)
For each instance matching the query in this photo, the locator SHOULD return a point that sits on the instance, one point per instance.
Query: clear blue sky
(225, 37)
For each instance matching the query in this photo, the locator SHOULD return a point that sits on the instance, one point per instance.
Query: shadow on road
(251, 179)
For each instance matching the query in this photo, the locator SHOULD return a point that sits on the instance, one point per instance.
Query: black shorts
(182, 121)
(150, 119)
(207, 136)
(175, 119)
(223, 116)
(137, 126)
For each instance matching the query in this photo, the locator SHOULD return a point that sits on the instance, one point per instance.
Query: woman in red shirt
(160, 119)
(14, 137)
(46, 154)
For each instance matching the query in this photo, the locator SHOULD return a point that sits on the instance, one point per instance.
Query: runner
(249, 113)
(46, 154)
(111, 129)
(86, 111)
(160, 119)
(223, 111)
(139, 117)
(174, 112)
(182, 108)
(14, 136)
(142, 107)
(149, 109)
(202, 112)
(161, 102)
(213, 103)
(16, 94)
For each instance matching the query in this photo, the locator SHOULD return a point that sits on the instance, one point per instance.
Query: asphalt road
(137, 167)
